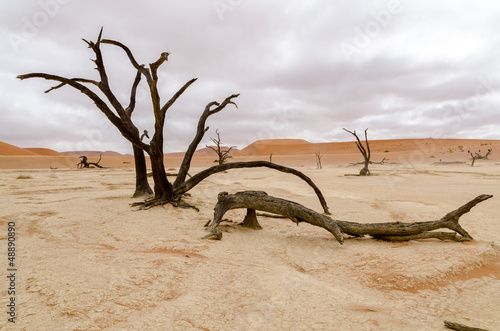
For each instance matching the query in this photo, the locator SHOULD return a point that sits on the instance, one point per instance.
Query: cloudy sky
(304, 69)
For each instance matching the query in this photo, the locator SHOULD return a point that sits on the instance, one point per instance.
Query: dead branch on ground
(84, 163)
(391, 231)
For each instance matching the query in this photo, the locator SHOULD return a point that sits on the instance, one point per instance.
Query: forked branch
(200, 132)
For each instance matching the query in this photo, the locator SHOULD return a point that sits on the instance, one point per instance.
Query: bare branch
(221, 106)
(200, 132)
(367, 144)
(154, 66)
(101, 105)
(136, 65)
(104, 83)
(187, 185)
(144, 134)
(358, 142)
(364, 152)
(133, 93)
(176, 96)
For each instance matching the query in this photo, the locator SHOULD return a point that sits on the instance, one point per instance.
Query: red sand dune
(44, 151)
(8, 149)
(287, 151)
(302, 147)
(92, 153)
(204, 152)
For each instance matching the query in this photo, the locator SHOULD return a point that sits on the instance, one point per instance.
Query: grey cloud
(284, 57)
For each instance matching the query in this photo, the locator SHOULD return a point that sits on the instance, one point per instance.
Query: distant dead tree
(84, 163)
(318, 160)
(477, 156)
(222, 153)
(120, 117)
(365, 152)
(271, 157)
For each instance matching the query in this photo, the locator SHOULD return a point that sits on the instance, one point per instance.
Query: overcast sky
(305, 69)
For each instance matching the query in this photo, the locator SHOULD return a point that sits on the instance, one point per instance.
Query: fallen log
(391, 231)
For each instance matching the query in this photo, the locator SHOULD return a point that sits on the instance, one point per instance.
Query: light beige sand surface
(88, 261)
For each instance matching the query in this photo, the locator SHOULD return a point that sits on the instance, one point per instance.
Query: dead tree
(120, 117)
(392, 231)
(84, 163)
(318, 160)
(271, 157)
(222, 153)
(365, 152)
(477, 156)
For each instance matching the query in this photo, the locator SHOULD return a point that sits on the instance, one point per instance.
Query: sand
(88, 261)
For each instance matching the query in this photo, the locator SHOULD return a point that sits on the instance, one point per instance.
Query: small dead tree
(392, 231)
(477, 156)
(364, 151)
(222, 153)
(271, 157)
(84, 163)
(318, 160)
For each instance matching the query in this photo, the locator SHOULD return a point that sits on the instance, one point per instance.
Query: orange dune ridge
(8, 149)
(302, 147)
(286, 151)
(44, 151)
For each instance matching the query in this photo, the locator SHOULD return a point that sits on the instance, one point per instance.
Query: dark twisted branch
(104, 83)
(193, 181)
(133, 94)
(200, 132)
(139, 67)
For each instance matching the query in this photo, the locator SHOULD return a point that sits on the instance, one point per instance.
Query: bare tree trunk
(163, 190)
(393, 231)
(142, 187)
